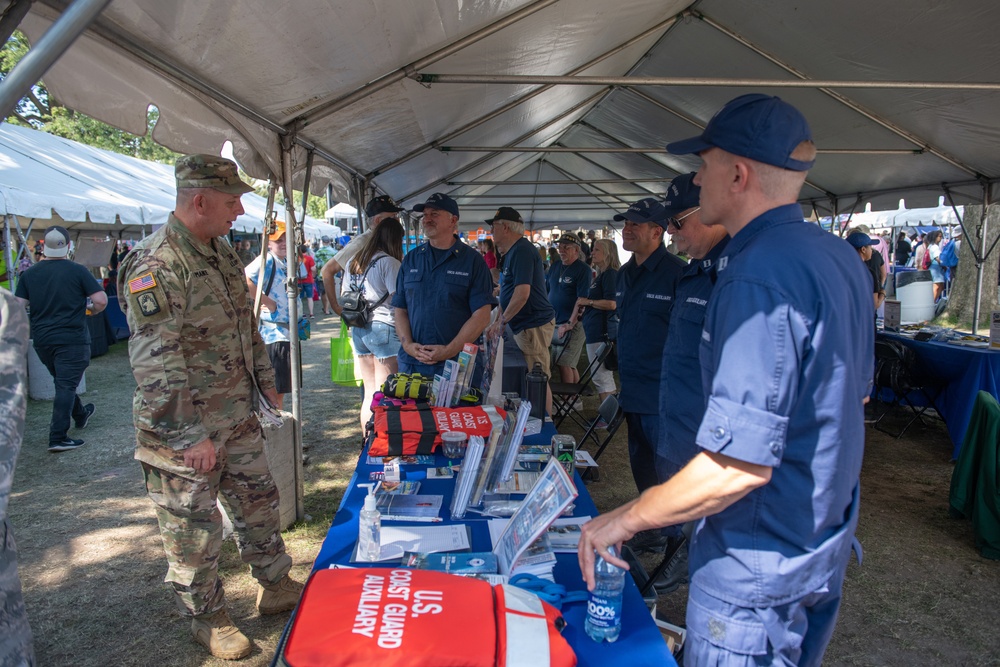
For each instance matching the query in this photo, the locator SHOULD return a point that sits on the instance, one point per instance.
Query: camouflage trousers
(191, 525)
(15, 635)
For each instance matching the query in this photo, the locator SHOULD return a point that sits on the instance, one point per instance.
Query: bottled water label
(603, 612)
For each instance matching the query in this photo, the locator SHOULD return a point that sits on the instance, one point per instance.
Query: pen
(421, 519)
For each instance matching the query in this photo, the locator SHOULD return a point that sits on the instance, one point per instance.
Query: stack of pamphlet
(408, 507)
(467, 477)
(553, 492)
(538, 559)
(480, 565)
(447, 389)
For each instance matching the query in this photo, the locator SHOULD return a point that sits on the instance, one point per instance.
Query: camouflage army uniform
(195, 352)
(15, 635)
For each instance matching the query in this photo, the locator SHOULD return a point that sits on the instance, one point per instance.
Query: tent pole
(292, 290)
(592, 100)
(8, 257)
(663, 25)
(980, 257)
(359, 195)
(386, 80)
(53, 44)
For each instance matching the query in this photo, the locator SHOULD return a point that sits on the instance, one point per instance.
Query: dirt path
(92, 565)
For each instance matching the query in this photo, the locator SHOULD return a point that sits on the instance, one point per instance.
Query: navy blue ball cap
(438, 200)
(649, 209)
(860, 240)
(756, 126)
(682, 194)
(381, 204)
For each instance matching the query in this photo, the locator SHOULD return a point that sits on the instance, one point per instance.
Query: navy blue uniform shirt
(644, 296)
(523, 266)
(682, 398)
(567, 283)
(440, 295)
(787, 357)
(595, 322)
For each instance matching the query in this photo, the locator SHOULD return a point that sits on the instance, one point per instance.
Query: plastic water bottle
(604, 608)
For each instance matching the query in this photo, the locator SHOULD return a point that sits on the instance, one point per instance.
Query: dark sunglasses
(677, 223)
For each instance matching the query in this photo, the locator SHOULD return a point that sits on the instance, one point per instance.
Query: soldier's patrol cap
(209, 171)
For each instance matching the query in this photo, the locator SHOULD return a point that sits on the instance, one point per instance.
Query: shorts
(569, 356)
(280, 354)
(377, 338)
(306, 290)
(937, 273)
(534, 345)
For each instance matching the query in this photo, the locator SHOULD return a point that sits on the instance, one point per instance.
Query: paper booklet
(553, 492)
(473, 562)
(397, 540)
(408, 505)
(466, 477)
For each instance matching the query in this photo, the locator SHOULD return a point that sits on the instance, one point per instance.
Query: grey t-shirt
(380, 281)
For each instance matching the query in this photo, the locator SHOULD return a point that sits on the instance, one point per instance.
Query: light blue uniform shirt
(273, 325)
(787, 356)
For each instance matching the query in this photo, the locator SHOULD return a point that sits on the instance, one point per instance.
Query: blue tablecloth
(962, 372)
(640, 642)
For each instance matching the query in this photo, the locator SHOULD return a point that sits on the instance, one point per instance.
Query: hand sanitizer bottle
(369, 528)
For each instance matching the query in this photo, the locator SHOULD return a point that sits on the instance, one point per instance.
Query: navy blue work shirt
(595, 322)
(787, 356)
(523, 266)
(644, 295)
(567, 283)
(682, 398)
(440, 289)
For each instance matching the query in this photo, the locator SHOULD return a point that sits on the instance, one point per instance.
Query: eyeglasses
(677, 223)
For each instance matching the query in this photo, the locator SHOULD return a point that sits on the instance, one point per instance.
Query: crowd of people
(742, 376)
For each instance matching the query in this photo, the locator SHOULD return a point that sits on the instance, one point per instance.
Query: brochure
(397, 540)
(400, 488)
(477, 562)
(443, 472)
(553, 492)
(411, 505)
(467, 477)
(419, 459)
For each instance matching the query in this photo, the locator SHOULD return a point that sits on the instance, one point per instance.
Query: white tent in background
(58, 181)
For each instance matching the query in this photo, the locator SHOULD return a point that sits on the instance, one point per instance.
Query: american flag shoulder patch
(142, 283)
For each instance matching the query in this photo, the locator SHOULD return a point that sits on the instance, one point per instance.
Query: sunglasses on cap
(677, 223)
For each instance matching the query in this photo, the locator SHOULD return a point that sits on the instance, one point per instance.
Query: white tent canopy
(46, 177)
(889, 119)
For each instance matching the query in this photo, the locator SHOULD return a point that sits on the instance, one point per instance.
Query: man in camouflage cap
(199, 363)
(15, 635)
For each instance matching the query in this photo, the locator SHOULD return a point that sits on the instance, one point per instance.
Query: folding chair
(565, 394)
(896, 371)
(613, 416)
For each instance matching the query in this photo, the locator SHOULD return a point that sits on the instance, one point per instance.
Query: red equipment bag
(396, 617)
(405, 430)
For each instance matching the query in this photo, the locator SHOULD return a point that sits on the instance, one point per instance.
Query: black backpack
(357, 312)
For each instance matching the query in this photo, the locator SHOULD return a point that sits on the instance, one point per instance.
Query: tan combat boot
(217, 633)
(278, 597)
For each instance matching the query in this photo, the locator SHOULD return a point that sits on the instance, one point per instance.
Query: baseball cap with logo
(756, 126)
(682, 194)
(649, 209)
(56, 242)
(568, 237)
(209, 171)
(381, 204)
(279, 230)
(439, 201)
(505, 213)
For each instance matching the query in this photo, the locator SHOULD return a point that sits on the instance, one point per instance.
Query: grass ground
(92, 564)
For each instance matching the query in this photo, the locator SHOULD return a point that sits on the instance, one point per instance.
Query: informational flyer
(553, 492)
(995, 330)
(893, 314)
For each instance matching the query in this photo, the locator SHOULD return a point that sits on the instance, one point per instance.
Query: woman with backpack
(373, 272)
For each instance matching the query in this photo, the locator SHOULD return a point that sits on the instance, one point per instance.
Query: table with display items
(961, 371)
(640, 642)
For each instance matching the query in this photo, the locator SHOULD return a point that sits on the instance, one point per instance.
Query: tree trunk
(962, 298)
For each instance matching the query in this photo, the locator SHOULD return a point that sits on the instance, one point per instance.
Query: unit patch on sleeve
(148, 305)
